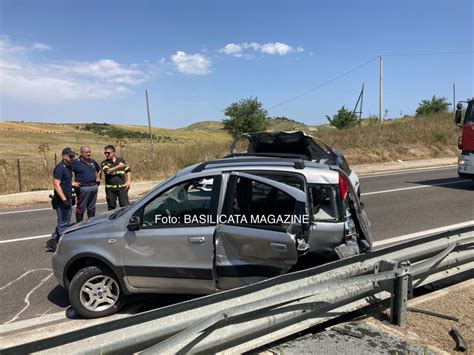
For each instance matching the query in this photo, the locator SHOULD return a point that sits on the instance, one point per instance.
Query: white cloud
(276, 48)
(41, 46)
(232, 49)
(42, 80)
(110, 71)
(191, 63)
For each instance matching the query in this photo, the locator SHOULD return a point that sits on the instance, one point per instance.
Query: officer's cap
(69, 152)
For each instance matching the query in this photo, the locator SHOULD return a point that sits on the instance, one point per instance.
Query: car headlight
(464, 162)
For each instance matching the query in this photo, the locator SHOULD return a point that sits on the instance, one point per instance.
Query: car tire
(465, 176)
(95, 292)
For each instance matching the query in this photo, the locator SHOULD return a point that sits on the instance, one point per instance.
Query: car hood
(289, 143)
(102, 218)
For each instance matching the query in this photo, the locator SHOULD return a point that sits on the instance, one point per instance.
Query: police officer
(117, 178)
(62, 182)
(86, 173)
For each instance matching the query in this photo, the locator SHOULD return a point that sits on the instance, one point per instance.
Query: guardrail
(249, 317)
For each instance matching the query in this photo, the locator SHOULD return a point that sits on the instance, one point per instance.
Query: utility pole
(381, 86)
(360, 99)
(454, 96)
(149, 120)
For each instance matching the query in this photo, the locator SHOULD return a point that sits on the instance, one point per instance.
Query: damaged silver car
(214, 226)
(296, 143)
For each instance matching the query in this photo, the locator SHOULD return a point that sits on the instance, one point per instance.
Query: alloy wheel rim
(99, 293)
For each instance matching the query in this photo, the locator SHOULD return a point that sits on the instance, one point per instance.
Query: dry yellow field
(405, 139)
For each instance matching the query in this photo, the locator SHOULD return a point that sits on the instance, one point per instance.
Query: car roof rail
(269, 154)
(297, 163)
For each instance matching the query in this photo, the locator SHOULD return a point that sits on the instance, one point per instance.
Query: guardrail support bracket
(400, 293)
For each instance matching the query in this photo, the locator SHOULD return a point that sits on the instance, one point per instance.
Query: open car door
(262, 227)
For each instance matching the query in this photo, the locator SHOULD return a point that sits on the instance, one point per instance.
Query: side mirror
(134, 223)
(457, 117)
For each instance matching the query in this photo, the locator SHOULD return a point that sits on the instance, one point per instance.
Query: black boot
(79, 217)
(52, 244)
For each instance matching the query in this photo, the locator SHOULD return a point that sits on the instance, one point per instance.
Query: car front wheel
(95, 292)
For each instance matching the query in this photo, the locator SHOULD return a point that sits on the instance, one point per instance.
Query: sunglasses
(107, 153)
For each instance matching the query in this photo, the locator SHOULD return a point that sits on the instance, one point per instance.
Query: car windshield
(122, 210)
(469, 113)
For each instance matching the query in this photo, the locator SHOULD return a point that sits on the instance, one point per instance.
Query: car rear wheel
(95, 292)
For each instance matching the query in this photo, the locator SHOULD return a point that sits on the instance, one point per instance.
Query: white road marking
(24, 211)
(406, 171)
(39, 209)
(22, 239)
(22, 276)
(422, 233)
(414, 187)
(27, 299)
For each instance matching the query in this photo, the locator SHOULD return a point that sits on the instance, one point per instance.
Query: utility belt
(56, 200)
(86, 184)
(120, 186)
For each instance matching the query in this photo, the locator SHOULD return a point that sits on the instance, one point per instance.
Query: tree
(43, 148)
(435, 105)
(245, 116)
(343, 119)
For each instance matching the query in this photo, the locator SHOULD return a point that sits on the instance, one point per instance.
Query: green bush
(105, 129)
(430, 107)
(343, 119)
(245, 116)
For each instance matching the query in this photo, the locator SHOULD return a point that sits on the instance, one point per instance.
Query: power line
(360, 66)
(322, 85)
(425, 53)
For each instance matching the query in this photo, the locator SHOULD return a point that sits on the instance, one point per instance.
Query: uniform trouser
(113, 194)
(64, 219)
(86, 200)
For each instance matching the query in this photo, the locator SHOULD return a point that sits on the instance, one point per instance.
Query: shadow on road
(59, 297)
(455, 183)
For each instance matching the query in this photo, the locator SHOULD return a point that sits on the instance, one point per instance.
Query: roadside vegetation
(432, 135)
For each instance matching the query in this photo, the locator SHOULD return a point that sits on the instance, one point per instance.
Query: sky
(91, 61)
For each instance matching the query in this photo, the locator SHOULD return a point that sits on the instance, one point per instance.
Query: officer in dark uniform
(117, 178)
(86, 172)
(62, 182)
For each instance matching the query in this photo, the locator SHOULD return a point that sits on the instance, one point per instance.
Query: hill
(274, 124)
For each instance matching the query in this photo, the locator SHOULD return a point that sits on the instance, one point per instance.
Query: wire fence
(35, 172)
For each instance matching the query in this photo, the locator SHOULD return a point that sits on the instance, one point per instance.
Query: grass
(406, 139)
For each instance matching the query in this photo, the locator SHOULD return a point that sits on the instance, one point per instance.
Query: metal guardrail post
(399, 299)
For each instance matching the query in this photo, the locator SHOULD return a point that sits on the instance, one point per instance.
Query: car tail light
(343, 187)
(460, 143)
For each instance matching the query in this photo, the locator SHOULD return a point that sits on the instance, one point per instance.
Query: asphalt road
(396, 203)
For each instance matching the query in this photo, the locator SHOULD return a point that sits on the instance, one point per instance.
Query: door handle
(196, 240)
(278, 247)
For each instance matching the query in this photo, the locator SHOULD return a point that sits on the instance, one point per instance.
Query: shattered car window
(262, 204)
(290, 180)
(324, 203)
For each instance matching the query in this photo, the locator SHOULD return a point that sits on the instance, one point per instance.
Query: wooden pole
(149, 120)
(19, 174)
(381, 86)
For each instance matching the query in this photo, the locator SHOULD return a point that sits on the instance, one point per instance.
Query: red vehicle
(466, 141)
